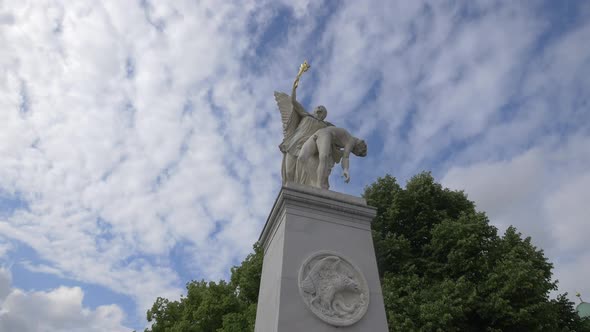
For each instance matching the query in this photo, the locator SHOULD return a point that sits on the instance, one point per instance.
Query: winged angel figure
(311, 146)
(298, 126)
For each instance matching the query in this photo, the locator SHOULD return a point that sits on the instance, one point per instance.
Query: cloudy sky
(138, 139)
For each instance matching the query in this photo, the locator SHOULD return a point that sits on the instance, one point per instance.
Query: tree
(210, 306)
(443, 267)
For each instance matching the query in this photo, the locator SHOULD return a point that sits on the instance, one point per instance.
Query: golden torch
(302, 69)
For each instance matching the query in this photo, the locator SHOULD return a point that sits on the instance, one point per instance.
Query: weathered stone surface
(303, 222)
(333, 288)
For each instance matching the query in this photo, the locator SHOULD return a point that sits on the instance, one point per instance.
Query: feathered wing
(289, 116)
(310, 283)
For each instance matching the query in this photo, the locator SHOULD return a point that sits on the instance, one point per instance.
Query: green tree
(443, 267)
(211, 306)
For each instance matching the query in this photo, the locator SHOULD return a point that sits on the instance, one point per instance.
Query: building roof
(583, 309)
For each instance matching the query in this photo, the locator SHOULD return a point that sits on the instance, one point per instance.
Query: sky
(139, 139)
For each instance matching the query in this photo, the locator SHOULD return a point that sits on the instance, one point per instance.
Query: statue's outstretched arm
(294, 90)
(346, 157)
(345, 171)
(296, 105)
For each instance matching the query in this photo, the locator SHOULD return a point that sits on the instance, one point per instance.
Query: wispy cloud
(140, 138)
(112, 167)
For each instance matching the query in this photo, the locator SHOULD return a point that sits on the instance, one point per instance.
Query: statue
(298, 126)
(322, 144)
(328, 146)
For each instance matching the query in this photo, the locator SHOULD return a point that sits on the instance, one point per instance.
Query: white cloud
(5, 247)
(543, 193)
(41, 268)
(505, 190)
(99, 139)
(532, 170)
(134, 128)
(566, 208)
(60, 309)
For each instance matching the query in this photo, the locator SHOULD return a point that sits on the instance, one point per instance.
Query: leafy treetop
(443, 267)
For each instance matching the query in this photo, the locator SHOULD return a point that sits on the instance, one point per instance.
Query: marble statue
(323, 144)
(298, 126)
(326, 147)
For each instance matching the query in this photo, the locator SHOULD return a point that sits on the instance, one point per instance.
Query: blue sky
(139, 138)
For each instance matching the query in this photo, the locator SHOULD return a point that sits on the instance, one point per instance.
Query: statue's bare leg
(324, 146)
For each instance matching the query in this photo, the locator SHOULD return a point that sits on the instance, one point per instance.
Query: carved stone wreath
(333, 288)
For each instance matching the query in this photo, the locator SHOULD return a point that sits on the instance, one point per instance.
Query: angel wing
(289, 116)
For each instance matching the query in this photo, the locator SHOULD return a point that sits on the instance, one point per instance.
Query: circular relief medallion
(333, 288)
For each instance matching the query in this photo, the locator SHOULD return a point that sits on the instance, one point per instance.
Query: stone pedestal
(319, 271)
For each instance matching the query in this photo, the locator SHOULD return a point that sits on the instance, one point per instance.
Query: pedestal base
(318, 252)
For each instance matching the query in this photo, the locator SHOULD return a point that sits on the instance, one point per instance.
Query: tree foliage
(211, 306)
(443, 267)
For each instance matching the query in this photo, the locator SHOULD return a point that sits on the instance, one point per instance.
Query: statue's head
(360, 148)
(320, 112)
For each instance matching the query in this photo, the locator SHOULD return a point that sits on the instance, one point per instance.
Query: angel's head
(320, 112)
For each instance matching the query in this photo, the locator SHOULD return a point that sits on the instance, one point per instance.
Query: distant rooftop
(583, 309)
